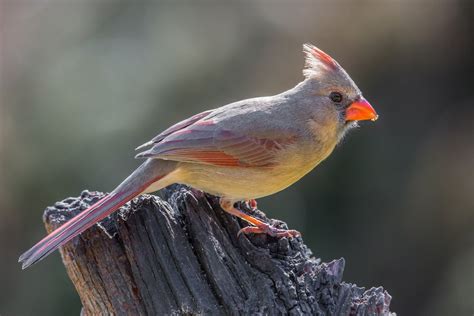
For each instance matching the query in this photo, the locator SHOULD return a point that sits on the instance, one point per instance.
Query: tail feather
(72, 228)
(58, 232)
(150, 172)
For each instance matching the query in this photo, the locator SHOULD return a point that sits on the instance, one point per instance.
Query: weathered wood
(181, 255)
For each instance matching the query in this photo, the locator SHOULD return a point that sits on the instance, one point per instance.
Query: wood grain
(180, 254)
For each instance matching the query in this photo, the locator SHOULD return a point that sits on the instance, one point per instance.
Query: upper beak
(361, 110)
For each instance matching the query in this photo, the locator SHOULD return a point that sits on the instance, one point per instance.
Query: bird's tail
(137, 183)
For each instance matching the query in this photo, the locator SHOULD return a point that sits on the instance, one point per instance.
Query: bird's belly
(240, 183)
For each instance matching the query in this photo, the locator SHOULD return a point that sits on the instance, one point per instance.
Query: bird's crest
(317, 61)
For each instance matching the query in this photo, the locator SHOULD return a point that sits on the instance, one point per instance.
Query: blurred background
(84, 82)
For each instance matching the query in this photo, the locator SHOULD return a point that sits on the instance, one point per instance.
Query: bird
(239, 152)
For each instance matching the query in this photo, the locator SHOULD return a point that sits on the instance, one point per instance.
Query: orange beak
(361, 110)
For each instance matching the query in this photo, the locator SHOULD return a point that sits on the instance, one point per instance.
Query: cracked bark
(180, 254)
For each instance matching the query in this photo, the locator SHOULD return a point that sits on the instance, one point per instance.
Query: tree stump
(180, 254)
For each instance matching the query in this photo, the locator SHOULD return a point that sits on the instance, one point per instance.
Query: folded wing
(176, 127)
(207, 142)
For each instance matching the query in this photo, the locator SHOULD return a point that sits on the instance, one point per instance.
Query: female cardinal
(241, 151)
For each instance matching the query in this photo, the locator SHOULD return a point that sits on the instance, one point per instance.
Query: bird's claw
(269, 230)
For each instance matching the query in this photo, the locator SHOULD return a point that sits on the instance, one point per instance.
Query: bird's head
(336, 96)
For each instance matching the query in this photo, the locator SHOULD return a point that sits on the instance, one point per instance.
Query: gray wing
(240, 134)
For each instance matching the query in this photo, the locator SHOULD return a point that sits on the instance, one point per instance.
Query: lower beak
(361, 110)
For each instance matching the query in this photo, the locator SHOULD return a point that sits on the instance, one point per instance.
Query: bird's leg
(228, 206)
(259, 226)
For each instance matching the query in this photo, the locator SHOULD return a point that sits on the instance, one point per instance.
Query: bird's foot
(269, 230)
(258, 227)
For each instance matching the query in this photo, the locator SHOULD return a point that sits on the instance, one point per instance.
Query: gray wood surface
(180, 254)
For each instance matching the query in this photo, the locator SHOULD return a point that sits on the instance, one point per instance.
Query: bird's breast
(240, 183)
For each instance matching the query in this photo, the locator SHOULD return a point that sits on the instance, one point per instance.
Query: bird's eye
(336, 97)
